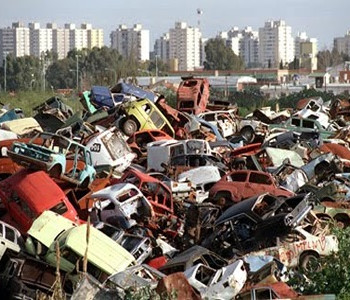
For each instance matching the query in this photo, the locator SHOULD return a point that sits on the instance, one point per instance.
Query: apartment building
(40, 39)
(276, 44)
(185, 46)
(131, 42)
(162, 47)
(306, 51)
(14, 40)
(342, 44)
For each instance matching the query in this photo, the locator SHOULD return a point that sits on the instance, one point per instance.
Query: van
(143, 114)
(104, 256)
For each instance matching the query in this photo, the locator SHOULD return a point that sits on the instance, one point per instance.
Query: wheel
(309, 262)
(222, 199)
(55, 171)
(248, 133)
(341, 222)
(129, 127)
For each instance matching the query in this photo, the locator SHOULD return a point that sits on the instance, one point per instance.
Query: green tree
(221, 57)
(281, 65)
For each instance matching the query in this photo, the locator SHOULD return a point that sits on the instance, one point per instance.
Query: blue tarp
(133, 90)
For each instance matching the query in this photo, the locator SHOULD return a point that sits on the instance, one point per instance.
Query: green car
(104, 256)
(305, 126)
(143, 114)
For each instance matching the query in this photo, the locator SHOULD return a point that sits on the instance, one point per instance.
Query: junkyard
(132, 197)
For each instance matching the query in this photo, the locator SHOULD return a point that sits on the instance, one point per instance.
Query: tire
(223, 199)
(341, 222)
(55, 171)
(129, 127)
(248, 133)
(309, 262)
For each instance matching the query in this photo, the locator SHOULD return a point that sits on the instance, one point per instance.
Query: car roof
(37, 189)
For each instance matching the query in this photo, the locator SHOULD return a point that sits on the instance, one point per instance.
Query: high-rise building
(40, 39)
(77, 37)
(60, 40)
(342, 44)
(306, 51)
(162, 48)
(244, 43)
(276, 44)
(94, 36)
(185, 46)
(14, 40)
(131, 42)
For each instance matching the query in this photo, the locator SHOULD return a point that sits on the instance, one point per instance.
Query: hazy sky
(323, 19)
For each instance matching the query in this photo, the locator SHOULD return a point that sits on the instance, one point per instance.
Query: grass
(29, 99)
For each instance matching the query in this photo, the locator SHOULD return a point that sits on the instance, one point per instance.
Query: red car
(238, 185)
(193, 95)
(27, 194)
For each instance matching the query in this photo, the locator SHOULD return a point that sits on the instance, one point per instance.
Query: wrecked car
(192, 95)
(59, 156)
(10, 240)
(238, 185)
(24, 277)
(301, 248)
(22, 195)
(252, 129)
(120, 205)
(109, 148)
(50, 228)
(191, 257)
(136, 276)
(141, 115)
(255, 222)
(139, 140)
(224, 283)
(224, 120)
(160, 153)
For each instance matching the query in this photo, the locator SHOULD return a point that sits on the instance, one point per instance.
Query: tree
(281, 64)
(221, 57)
(295, 64)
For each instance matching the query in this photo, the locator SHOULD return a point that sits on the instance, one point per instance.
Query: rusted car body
(22, 194)
(238, 185)
(139, 140)
(156, 192)
(193, 95)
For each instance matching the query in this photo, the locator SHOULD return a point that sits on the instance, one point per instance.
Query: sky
(321, 19)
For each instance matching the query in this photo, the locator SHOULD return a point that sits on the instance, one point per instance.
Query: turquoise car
(59, 156)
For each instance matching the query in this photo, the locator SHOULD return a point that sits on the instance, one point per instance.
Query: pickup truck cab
(59, 156)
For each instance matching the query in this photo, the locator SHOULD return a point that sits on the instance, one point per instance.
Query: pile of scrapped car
(131, 193)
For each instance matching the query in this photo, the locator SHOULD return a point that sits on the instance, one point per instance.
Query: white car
(10, 239)
(305, 248)
(224, 283)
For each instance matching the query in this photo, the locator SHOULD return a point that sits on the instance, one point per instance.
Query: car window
(241, 177)
(259, 178)
(147, 108)
(10, 234)
(60, 208)
(308, 124)
(209, 117)
(296, 122)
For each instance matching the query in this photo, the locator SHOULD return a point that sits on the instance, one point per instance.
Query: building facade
(306, 51)
(342, 44)
(162, 48)
(185, 46)
(131, 42)
(14, 40)
(276, 44)
(40, 39)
